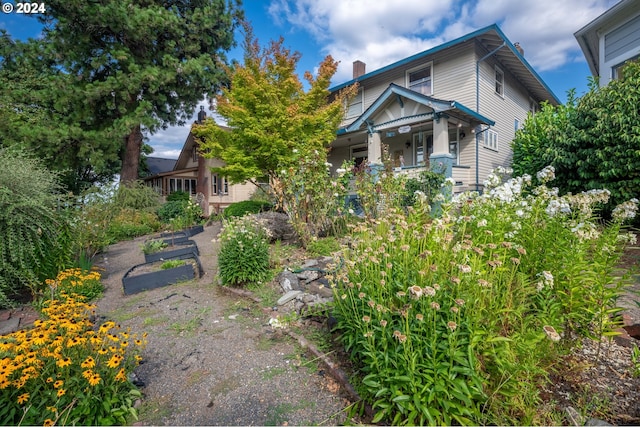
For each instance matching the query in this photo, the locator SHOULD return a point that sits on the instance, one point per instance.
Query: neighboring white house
(454, 108)
(611, 39)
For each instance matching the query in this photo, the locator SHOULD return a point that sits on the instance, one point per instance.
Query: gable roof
(439, 107)
(588, 36)
(491, 38)
(157, 165)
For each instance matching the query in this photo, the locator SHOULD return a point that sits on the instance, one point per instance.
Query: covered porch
(420, 132)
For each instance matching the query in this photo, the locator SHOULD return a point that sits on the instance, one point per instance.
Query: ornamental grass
(65, 370)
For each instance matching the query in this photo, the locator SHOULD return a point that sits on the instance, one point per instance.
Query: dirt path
(212, 358)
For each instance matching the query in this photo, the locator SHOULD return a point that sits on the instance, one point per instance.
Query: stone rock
(319, 288)
(573, 416)
(10, 325)
(310, 263)
(288, 281)
(596, 422)
(288, 297)
(308, 275)
(277, 225)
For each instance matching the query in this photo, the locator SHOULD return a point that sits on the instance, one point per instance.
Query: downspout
(478, 109)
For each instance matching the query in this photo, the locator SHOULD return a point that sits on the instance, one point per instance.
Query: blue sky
(380, 32)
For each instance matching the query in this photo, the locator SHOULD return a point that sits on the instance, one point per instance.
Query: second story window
(419, 80)
(354, 109)
(499, 82)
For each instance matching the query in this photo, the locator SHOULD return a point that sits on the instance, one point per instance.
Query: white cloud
(381, 32)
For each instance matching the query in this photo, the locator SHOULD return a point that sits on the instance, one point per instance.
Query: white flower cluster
(626, 210)
(510, 190)
(585, 231)
(547, 174)
(496, 177)
(546, 281)
(556, 206)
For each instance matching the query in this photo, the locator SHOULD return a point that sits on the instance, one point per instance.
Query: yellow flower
(103, 351)
(63, 362)
(122, 376)
(52, 409)
(124, 344)
(61, 392)
(88, 363)
(23, 398)
(48, 422)
(87, 374)
(94, 380)
(4, 383)
(114, 361)
(58, 384)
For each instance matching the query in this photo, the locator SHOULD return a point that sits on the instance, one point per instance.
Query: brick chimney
(358, 68)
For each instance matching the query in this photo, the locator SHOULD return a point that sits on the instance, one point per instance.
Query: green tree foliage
(103, 71)
(273, 121)
(277, 129)
(593, 142)
(34, 241)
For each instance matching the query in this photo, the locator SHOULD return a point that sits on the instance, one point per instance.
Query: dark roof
(158, 165)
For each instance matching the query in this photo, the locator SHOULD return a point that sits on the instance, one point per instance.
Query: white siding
(503, 110)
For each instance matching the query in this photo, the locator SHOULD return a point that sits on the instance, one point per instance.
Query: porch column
(374, 154)
(441, 161)
(375, 148)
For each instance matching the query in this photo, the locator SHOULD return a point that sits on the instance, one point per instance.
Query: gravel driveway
(212, 358)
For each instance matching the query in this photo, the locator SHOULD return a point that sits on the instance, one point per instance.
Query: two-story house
(611, 39)
(454, 108)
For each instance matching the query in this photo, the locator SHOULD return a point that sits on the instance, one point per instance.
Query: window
(533, 106)
(194, 154)
(422, 140)
(616, 71)
(516, 125)
(180, 184)
(491, 139)
(499, 81)
(219, 185)
(419, 80)
(354, 109)
(454, 138)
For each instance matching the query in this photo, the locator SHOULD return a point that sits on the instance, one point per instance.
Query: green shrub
(130, 223)
(34, 238)
(244, 253)
(171, 209)
(245, 207)
(178, 196)
(428, 182)
(136, 196)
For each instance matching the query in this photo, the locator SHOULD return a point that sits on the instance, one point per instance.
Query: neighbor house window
(354, 109)
(419, 80)
(616, 71)
(194, 154)
(219, 185)
(516, 125)
(182, 184)
(533, 106)
(499, 81)
(491, 139)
